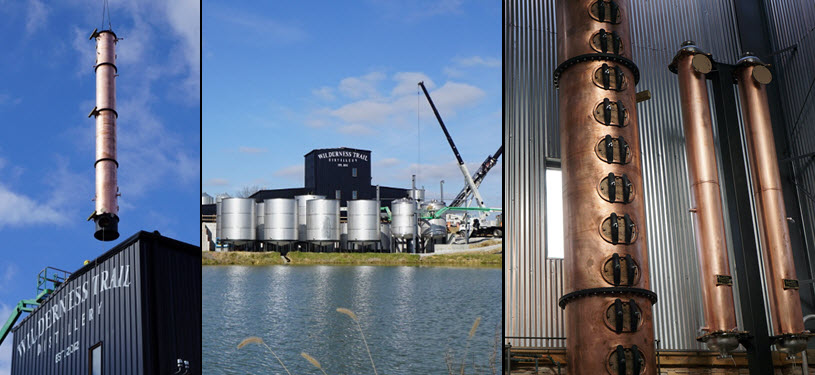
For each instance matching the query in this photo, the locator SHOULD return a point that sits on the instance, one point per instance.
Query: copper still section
(720, 331)
(608, 302)
(107, 189)
(782, 283)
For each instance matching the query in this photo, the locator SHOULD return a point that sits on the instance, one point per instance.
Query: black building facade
(136, 309)
(337, 173)
(343, 173)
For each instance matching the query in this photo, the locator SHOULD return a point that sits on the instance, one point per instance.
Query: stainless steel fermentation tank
(363, 221)
(219, 217)
(302, 215)
(323, 222)
(259, 220)
(416, 194)
(206, 199)
(106, 214)
(608, 301)
(238, 220)
(280, 221)
(403, 226)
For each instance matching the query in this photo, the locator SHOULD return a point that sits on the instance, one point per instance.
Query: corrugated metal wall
(141, 300)
(533, 283)
(45, 344)
(793, 23)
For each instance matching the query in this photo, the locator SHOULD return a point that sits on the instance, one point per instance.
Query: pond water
(413, 318)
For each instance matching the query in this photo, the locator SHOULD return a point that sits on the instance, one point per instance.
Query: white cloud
(455, 95)
(371, 111)
(167, 160)
(325, 93)
(251, 150)
(8, 100)
(355, 129)
(217, 182)
(415, 10)
(490, 62)
(408, 83)
(453, 72)
(257, 27)
(58, 203)
(7, 275)
(292, 171)
(185, 20)
(387, 162)
(36, 16)
(19, 210)
(315, 122)
(359, 87)
(461, 64)
(448, 98)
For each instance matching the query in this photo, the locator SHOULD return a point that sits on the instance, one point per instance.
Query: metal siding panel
(110, 327)
(170, 276)
(792, 23)
(533, 284)
(173, 300)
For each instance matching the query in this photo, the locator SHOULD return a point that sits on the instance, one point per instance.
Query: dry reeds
(467, 347)
(354, 318)
(259, 341)
(313, 361)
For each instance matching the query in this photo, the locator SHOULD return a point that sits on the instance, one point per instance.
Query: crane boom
(461, 165)
(478, 177)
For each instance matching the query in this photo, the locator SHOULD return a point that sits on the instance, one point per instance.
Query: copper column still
(720, 330)
(107, 190)
(782, 283)
(608, 302)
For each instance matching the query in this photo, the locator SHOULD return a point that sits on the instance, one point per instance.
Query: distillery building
(136, 309)
(335, 173)
(339, 177)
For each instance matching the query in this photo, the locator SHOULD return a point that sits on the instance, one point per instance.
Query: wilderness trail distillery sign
(83, 302)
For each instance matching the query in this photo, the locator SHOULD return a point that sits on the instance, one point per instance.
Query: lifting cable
(106, 11)
(418, 136)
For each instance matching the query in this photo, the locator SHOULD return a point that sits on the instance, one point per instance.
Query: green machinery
(440, 213)
(47, 281)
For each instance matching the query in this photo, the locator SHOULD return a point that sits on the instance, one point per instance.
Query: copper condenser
(789, 335)
(720, 332)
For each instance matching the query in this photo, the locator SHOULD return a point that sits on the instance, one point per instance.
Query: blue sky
(47, 144)
(283, 78)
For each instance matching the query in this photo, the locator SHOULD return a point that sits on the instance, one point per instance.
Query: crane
(470, 183)
(478, 177)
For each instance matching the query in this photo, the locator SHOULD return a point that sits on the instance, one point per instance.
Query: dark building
(337, 173)
(340, 173)
(136, 309)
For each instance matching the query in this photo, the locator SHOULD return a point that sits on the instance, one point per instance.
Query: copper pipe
(606, 265)
(691, 65)
(785, 301)
(107, 207)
